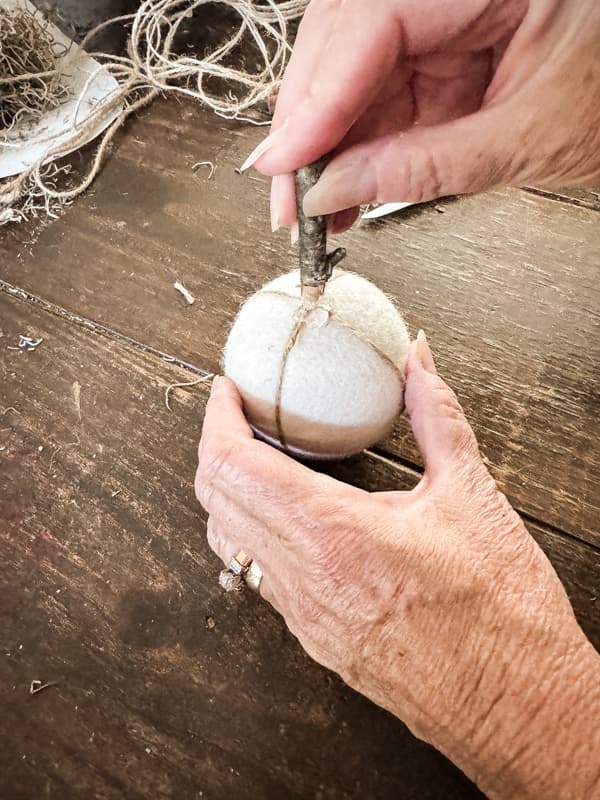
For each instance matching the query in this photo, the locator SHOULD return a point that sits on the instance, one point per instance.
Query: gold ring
(232, 579)
(253, 577)
(240, 564)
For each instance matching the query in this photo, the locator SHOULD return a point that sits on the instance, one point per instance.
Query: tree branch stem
(315, 265)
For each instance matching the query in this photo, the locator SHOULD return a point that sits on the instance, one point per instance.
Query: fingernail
(313, 204)
(275, 224)
(215, 384)
(262, 148)
(424, 353)
(282, 193)
(342, 185)
(295, 233)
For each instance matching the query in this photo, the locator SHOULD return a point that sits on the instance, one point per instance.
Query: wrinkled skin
(435, 603)
(416, 99)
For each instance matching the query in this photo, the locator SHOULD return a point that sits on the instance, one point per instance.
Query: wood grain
(504, 284)
(210, 26)
(587, 198)
(107, 587)
(166, 686)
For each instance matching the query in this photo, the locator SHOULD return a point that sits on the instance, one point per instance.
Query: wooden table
(165, 686)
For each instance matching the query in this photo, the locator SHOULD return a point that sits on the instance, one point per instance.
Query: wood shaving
(185, 293)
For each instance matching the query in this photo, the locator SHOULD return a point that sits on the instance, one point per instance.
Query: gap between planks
(103, 330)
(417, 472)
(590, 198)
(96, 327)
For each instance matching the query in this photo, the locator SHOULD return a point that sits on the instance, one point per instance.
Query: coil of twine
(152, 66)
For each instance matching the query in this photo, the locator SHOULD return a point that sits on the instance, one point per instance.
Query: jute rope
(293, 338)
(303, 314)
(152, 66)
(29, 82)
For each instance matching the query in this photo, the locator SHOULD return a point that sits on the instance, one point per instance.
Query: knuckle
(308, 609)
(214, 465)
(213, 538)
(339, 551)
(202, 488)
(387, 181)
(426, 176)
(449, 406)
(446, 398)
(419, 174)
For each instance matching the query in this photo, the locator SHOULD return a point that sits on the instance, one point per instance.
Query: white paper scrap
(18, 152)
(385, 209)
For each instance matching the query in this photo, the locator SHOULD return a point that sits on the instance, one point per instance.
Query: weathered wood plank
(505, 285)
(587, 198)
(77, 17)
(106, 587)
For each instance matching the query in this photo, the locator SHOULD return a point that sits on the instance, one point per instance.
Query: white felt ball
(324, 380)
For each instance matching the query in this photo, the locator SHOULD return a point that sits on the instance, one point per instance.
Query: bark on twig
(315, 265)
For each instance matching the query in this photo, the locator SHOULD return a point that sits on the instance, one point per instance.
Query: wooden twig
(315, 265)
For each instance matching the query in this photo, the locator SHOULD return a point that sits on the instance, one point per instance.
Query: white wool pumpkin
(324, 380)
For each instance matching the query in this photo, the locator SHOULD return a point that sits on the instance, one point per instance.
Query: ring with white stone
(253, 576)
(232, 578)
(230, 582)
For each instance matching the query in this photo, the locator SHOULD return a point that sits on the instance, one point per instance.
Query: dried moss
(30, 83)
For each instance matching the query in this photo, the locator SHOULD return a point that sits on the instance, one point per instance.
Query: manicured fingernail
(262, 148)
(258, 151)
(282, 192)
(295, 233)
(424, 353)
(275, 224)
(313, 203)
(342, 185)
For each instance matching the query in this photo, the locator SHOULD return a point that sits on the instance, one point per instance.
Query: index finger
(339, 63)
(311, 37)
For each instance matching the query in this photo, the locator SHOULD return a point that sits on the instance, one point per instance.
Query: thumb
(443, 434)
(471, 154)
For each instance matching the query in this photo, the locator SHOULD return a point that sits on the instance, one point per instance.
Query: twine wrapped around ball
(319, 380)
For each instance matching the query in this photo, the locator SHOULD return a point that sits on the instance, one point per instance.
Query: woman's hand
(435, 603)
(416, 99)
